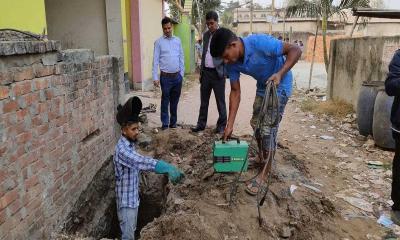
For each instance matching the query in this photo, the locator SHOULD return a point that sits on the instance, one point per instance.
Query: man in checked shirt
(128, 163)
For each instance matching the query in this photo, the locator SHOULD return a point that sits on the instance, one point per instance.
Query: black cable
(272, 122)
(270, 102)
(38, 37)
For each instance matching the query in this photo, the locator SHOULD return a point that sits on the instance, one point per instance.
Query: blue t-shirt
(263, 56)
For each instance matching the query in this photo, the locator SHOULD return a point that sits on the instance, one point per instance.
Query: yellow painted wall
(150, 31)
(125, 13)
(25, 15)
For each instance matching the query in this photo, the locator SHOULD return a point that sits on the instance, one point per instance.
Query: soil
(337, 194)
(199, 207)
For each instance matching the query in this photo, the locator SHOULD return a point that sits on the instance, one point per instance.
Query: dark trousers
(396, 174)
(211, 81)
(171, 91)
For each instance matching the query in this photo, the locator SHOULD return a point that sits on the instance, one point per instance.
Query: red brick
(4, 92)
(31, 182)
(24, 137)
(15, 207)
(41, 70)
(10, 106)
(22, 88)
(52, 115)
(24, 160)
(3, 175)
(57, 198)
(8, 198)
(49, 93)
(37, 120)
(2, 216)
(41, 83)
(21, 114)
(7, 227)
(41, 130)
(19, 153)
(37, 166)
(19, 128)
(67, 176)
(43, 107)
(6, 77)
(23, 73)
(33, 205)
(31, 98)
(56, 186)
(2, 151)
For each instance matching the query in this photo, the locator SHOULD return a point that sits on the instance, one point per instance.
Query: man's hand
(157, 83)
(174, 174)
(276, 78)
(227, 133)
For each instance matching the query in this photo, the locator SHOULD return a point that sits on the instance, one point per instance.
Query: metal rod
(354, 26)
(313, 56)
(251, 17)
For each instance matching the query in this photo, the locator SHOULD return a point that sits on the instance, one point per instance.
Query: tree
(323, 9)
(227, 14)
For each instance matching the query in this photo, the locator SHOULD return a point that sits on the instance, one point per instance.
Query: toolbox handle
(231, 138)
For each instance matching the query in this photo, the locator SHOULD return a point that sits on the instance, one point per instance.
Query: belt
(165, 74)
(209, 69)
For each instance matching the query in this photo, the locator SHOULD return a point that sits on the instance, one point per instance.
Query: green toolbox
(230, 156)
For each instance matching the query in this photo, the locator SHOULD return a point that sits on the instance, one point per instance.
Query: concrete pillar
(114, 27)
(136, 51)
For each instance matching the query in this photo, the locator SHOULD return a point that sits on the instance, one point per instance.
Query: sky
(390, 4)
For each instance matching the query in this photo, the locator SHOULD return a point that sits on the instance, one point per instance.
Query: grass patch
(335, 108)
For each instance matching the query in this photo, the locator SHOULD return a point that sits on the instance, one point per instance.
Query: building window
(246, 16)
(263, 15)
(254, 15)
(240, 16)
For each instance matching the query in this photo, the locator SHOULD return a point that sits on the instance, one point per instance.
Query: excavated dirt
(337, 194)
(198, 207)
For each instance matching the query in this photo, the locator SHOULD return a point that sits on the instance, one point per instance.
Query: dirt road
(337, 195)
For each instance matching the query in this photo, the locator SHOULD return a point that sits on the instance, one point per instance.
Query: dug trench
(198, 207)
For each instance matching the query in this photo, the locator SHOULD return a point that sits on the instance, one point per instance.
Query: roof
(376, 13)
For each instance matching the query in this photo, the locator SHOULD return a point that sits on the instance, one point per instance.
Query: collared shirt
(127, 165)
(168, 56)
(263, 56)
(209, 60)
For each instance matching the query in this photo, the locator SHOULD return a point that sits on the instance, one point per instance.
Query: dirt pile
(198, 208)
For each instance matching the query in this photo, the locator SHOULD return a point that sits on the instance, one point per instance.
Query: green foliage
(323, 9)
(227, 13)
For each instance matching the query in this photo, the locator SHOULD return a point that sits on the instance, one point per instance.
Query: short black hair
(220, 40)
(166, 20)
(212, 15)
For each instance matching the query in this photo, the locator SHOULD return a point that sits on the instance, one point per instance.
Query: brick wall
(319, 49)
(56, 130)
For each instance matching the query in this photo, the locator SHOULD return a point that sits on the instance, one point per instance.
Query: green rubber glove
(174, 174)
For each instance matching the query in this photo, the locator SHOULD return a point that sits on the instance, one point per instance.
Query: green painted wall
(183, 31)
(25, 15)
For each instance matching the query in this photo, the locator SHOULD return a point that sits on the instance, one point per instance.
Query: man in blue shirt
(168, 57)
(127, 165)
(262, 57)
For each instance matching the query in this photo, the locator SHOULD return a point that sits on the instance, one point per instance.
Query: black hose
(38, 37)
(270, 102)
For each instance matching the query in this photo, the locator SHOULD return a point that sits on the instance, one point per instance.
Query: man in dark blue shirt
(262, 57)
(392, 87)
